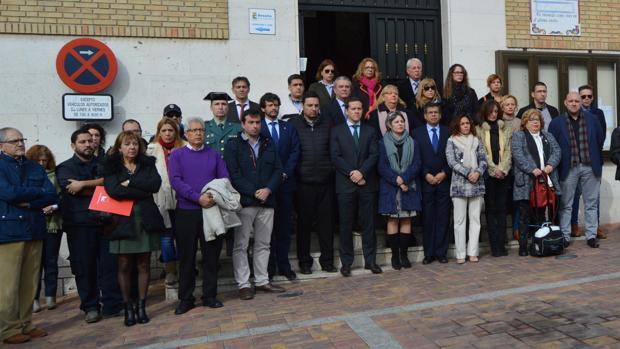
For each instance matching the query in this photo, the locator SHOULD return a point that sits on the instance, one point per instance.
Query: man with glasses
(24, 192)
(580, 137)
(191, 168)
(409, 87)
(586, 92)
(219, 129)
(293, 105)
(539, 101)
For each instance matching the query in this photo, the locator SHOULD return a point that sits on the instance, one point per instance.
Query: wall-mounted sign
(87, 107)
(262, 21)
(555, 17)
(86, 65)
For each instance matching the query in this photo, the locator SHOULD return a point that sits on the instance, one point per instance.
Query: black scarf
(494, 132)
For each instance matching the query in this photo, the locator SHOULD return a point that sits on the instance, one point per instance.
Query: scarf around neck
(469, 146)
(370, 87)
(167, 148)
(390, 141)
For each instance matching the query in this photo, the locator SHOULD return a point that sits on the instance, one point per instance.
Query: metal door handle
(415, 48)
(396, 48)
(387, 48)
(406, 49)
(425, 49)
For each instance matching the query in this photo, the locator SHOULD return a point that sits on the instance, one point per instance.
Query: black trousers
(495, 212)
(95, 270)
(49, 264)
(189, 232)
(314, 204)
(436, 208)
(281, 233)
(530, 218)
(349, 205)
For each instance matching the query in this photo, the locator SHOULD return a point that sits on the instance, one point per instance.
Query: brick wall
(600, 26)
(207, 19)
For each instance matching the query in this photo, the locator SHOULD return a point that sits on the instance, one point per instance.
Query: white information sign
(262, 21)
(87, 107)
(555, 17)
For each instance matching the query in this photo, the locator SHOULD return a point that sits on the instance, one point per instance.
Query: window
(563, 72)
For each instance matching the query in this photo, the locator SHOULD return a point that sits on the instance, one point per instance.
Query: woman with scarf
(468, 160)
(399, 195)
(324, 84)
(129, 174)
(460, 99)
(494, 135)
(534, 152)
(366, 85)
(389, 102)
(51, 245)
(166, 140)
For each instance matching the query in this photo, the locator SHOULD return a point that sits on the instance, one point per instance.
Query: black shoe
(394, 241)
(183, 308)
(212, 303)
(428, 260)
(566, 243)
(404, 250)
(503, 252)
(289, 275)
(130, 314)
(593, 243)
(306, 270)
(442, 260)
(374, 268)
(142, 317)
(345, 270)
(329, 269)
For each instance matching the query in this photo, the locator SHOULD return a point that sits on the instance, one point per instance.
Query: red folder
(101, 201)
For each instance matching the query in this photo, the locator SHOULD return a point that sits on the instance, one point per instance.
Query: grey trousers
(590, 186)
(258, 220)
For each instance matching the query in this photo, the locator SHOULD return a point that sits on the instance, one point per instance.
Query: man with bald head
(580, 137)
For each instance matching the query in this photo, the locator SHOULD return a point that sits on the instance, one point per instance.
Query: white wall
(151, 74)
(472, 30)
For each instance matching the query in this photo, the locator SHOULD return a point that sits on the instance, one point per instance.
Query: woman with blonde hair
(366, 85)
(167, 139)
(389, 102)
(509, 106)
(324, 84)
(427, 93)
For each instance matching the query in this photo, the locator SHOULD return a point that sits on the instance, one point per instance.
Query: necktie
(274, 132)
(356, 135)
(435, 139)
(415, 87)
(343, 111)
(221, 126)
(241, 109)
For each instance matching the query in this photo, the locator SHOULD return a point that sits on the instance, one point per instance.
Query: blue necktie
(274, 132)
(435, 139)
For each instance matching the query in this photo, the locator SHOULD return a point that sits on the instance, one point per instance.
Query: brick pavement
(499, 302)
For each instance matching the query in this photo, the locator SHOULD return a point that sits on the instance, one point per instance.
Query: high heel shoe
(142, 317)
(130, 314)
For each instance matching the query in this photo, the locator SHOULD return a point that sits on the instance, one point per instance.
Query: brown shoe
(270, 288)
(17, 339)
(515, 234)
(37, 333)
(246, 293)
(600, 233)
(574, 231)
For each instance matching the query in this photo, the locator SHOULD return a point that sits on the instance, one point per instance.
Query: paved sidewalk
(497, 303)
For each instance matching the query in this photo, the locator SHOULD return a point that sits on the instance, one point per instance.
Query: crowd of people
(338, 154)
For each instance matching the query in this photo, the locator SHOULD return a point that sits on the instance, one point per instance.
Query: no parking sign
(86, 65)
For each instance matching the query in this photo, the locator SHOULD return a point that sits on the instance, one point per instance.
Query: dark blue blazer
(333, 114)
(289, 150)
(559, 129)
(432, 162)
(346, 158)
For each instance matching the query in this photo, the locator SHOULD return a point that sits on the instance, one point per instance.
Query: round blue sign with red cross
(86, 65)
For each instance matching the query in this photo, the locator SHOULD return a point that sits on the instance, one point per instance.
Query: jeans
(575, 216)
(590, 184)
(49, 264)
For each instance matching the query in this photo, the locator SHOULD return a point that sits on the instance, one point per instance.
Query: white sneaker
(51, 302)
(36, 306)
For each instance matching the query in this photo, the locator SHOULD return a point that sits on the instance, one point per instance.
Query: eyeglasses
(458, 73)
(16, 141)
(430, 87)
(533, 119)
(586, 96)
(369, 68)
(328, 71)
(196, 130)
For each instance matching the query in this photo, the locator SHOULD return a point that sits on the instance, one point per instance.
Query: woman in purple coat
(399, 195)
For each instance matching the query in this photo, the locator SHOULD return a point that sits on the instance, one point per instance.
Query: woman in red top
(366, 85)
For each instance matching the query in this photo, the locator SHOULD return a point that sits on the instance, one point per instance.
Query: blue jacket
(23, 181)
(289, 149)
(410, 200)
(249, 173)
(559, 129)
(432, 162)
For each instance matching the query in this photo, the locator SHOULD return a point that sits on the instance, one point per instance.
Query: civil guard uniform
(217, 132)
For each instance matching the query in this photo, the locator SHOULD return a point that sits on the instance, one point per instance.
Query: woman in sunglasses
(324, 86)
(427, 93)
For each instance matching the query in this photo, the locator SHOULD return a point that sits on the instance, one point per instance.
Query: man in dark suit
(539, 101)
(408, 88)
(286, 140)
(241, 103)
(335, 110)
(354, 154)
(432, 139)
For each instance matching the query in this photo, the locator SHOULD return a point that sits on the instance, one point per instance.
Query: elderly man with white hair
(408, 88)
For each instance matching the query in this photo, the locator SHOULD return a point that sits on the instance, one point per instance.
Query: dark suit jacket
(346, 158)
(233, 115)
(288, 149)
(432, 162)
(333, 114)
(324, 97)
(405, 91)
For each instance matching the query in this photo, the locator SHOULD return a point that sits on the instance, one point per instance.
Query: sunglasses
(328, 71)
(586, 96)
(430, 87)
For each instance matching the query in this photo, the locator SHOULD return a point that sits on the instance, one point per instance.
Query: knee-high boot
(405, 240)
(393, 241)
(523, 243)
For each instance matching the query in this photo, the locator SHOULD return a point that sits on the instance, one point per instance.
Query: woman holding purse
(130, 175)
(535, 153)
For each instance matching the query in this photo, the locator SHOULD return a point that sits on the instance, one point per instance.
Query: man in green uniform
(219, 130)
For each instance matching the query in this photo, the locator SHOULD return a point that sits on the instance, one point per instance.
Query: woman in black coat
(389, 102)
(460, 99)
(128, 174)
